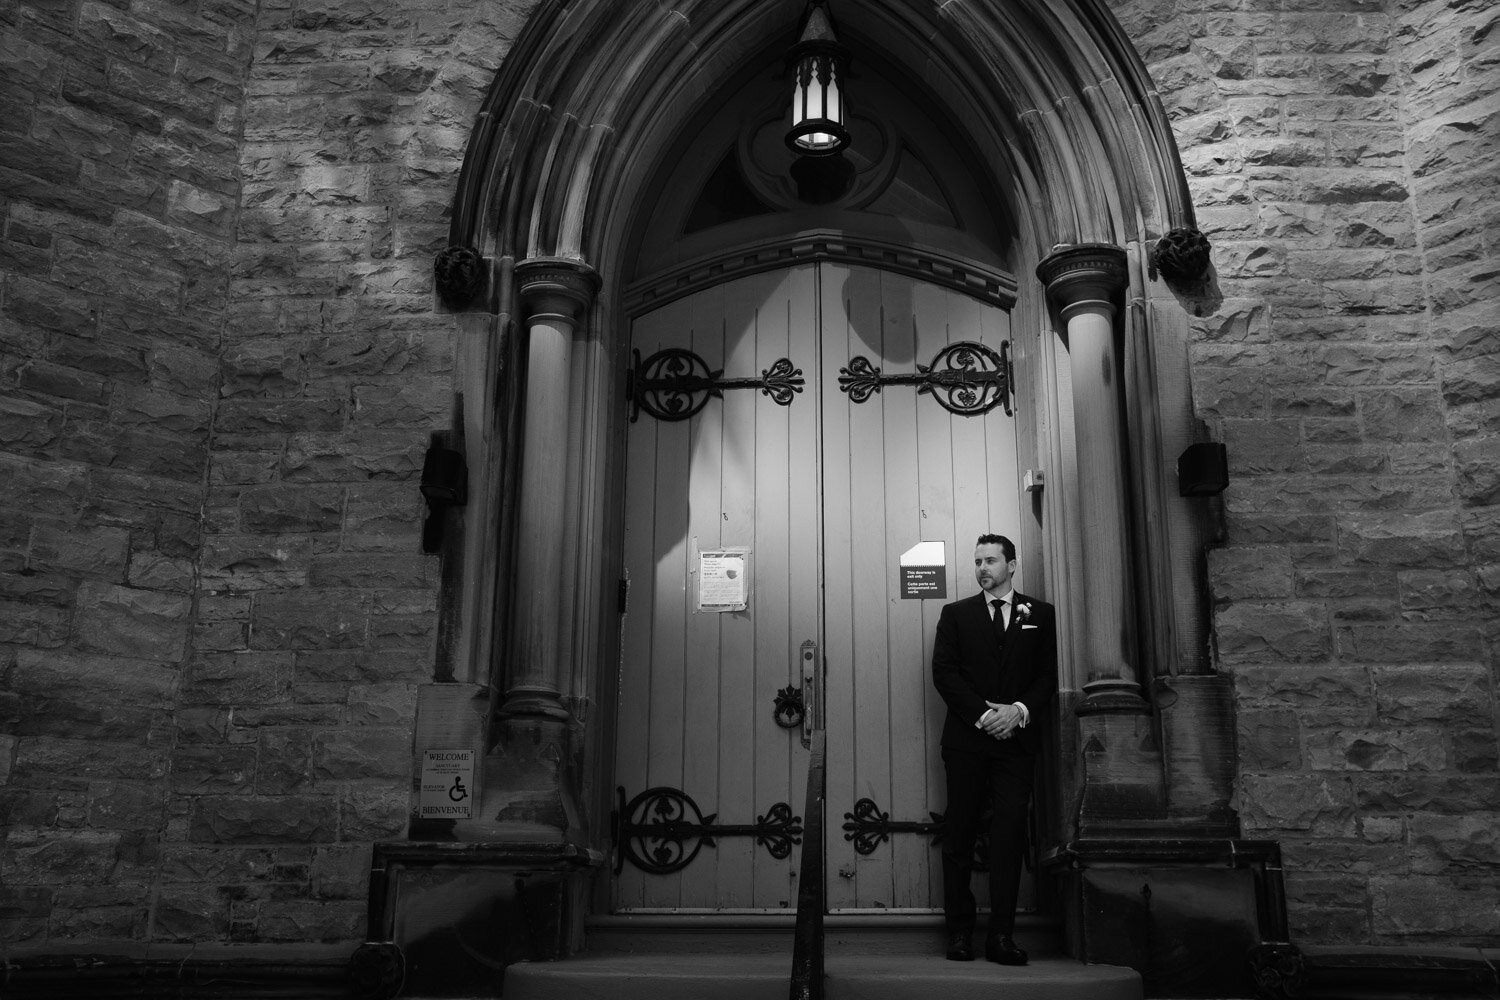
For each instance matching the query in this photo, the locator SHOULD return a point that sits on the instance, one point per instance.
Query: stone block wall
(119, 187)
(317, 611)
(220, 365)
(219, 370)
(1340, 156)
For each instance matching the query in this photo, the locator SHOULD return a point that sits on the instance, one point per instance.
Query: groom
(995, 664)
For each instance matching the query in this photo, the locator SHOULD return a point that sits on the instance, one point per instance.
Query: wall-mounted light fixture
(445, 483)
(819, 65)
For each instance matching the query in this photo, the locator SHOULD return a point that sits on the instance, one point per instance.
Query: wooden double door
(807, 481)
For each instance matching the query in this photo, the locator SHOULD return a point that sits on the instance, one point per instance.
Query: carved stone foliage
(1182, 257)
(458, 272)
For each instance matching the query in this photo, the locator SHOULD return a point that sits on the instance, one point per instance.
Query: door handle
(789, 711)
(803, 706)
(812, 690)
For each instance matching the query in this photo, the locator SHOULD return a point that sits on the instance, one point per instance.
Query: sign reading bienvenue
(447, 789)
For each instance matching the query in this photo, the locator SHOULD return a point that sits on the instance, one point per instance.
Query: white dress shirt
(1003, 606)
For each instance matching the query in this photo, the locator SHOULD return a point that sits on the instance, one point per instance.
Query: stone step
(869, 976)
(772, 934)
(868, 957)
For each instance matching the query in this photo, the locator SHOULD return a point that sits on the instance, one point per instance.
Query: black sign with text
(923, 583)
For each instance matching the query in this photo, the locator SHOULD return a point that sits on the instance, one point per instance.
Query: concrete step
(696, 976)
(868, 957)
(772, 934)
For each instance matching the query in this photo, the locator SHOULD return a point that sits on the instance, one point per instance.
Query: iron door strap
(966, 378)
(675, 383)
(868, 826)
(662, 830)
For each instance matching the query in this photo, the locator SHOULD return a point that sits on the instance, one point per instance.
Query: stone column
(529, 779)
(1083, 281)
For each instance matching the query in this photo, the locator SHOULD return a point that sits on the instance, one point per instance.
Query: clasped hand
(1000, 721)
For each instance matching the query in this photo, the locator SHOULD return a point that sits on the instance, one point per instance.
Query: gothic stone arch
(1053, 99)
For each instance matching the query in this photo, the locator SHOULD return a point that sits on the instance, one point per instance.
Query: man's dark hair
(1006, 545)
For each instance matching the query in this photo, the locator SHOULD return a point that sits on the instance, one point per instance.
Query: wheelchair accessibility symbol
(447, 784)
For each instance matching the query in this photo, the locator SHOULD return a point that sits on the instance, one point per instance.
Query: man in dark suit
(994, 661)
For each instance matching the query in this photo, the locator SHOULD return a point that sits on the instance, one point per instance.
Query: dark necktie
(999, 620)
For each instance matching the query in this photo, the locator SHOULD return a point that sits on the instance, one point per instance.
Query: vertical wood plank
(940, 459)
(738, 714)
(801, 556)
(652, 641)
(746, 727)
(970, 477)
(701, 671)
(672, 596)
(911, 743)
(870, 577)
(840, 341)
(634, 696)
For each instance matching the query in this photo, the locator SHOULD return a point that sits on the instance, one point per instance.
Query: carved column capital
(1082, 273)
(558, 285)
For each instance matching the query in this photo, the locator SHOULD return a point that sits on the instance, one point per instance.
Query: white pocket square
(1030, 626)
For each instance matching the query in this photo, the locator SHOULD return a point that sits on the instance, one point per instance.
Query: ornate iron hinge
(674, 384)
(967, 378)
(661, 830)
(868, 827)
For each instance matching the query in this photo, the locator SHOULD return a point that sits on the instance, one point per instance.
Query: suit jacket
(968, 670)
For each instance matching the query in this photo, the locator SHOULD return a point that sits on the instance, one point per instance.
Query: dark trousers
(976, 782)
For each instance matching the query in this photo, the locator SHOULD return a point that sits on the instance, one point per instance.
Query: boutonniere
(1023, 613)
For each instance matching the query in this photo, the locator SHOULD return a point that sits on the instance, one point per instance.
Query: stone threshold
(743, 933)
(862, 976)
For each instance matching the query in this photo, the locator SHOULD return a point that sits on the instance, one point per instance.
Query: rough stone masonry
(220, 363)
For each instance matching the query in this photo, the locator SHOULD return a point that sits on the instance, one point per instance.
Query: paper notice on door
(724, 580)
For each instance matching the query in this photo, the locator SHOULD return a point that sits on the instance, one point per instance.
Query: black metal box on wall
(461, 913)
(1203, 470)
(1186, 915)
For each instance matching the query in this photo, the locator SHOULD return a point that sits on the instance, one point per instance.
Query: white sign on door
(723, 580)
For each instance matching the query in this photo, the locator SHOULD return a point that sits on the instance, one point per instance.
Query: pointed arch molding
(591, 93)
(1059, 117)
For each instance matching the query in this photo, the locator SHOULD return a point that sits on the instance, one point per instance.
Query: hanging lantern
(818, 63)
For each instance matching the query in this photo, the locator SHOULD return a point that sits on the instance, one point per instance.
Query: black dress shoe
(1005, 951)
(959, 947)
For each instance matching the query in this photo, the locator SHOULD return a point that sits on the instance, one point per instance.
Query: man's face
(992, 569)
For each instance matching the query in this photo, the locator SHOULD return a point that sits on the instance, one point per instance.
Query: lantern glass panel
(817, 99)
